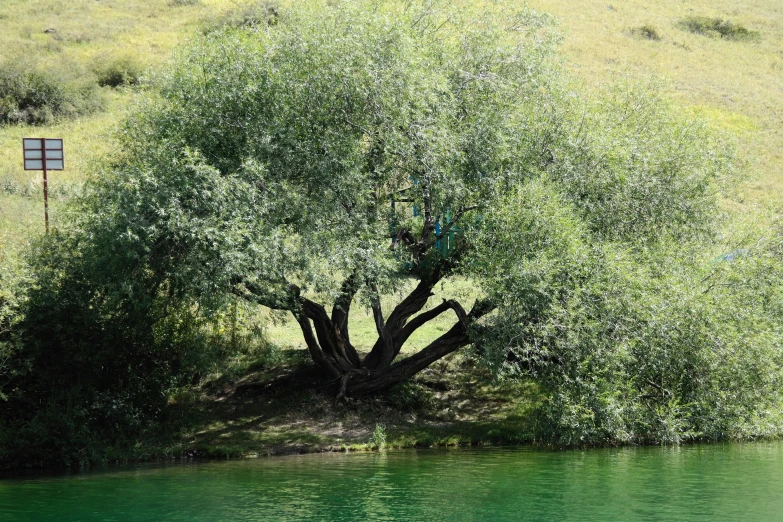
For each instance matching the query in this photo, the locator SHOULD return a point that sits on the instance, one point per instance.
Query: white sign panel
(43, 152)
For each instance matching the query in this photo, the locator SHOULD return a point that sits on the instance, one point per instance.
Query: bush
(119, 71)
(646, 32)
(652, 345)
(717, 27)
(253, 16)
(38, 94)
(631, 329)
(634, 171)
(101, 356)
(378, 438)
(13, 284)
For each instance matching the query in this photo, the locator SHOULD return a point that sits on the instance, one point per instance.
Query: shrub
(654, 345)
(253, 16)
(378, 437)
(38, 94)
(118, 71)
(717, 27)
(13, 286)
(632, 331)
(99, 369)
(646, 32)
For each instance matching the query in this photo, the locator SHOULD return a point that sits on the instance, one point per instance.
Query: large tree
(336, 152)
(331, 156)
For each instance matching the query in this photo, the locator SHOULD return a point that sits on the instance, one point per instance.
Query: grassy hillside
(736, 85)
(79, 39)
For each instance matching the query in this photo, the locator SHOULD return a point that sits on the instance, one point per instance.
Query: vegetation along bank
(467, 245)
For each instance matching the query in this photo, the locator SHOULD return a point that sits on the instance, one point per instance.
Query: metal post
(46, 186)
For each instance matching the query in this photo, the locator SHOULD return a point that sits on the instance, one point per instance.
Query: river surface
(707, 482)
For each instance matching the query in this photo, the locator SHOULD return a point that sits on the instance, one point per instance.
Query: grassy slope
(736, 86)
(86, 32)
(450, 403)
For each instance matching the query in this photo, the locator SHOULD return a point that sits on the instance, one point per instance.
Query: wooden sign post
(43, 154)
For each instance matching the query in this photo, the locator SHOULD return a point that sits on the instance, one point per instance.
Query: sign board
(43, 154)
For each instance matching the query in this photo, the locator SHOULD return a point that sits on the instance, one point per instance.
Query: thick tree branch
(327, 337)
(423, 318)
(409, 306)
(416, 300)
(403, 235)
(325, 344)
(316, 353)
(457, 337)
(377, 315)
(385, 341)
(449, 342)
(340, 312)
(406, 309)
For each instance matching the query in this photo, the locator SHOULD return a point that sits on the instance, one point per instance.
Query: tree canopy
(271, 159)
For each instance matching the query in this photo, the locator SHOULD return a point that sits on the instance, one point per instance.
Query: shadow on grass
(286, 409)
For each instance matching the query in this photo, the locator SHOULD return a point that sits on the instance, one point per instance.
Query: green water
(723, 482)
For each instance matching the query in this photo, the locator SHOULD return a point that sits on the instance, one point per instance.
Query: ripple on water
(709, 482)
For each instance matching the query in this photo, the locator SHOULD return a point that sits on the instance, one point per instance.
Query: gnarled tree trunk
(331, 348)
(327, 337)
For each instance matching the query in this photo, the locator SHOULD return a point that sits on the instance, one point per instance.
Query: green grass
(108, 42)
(735, 87)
